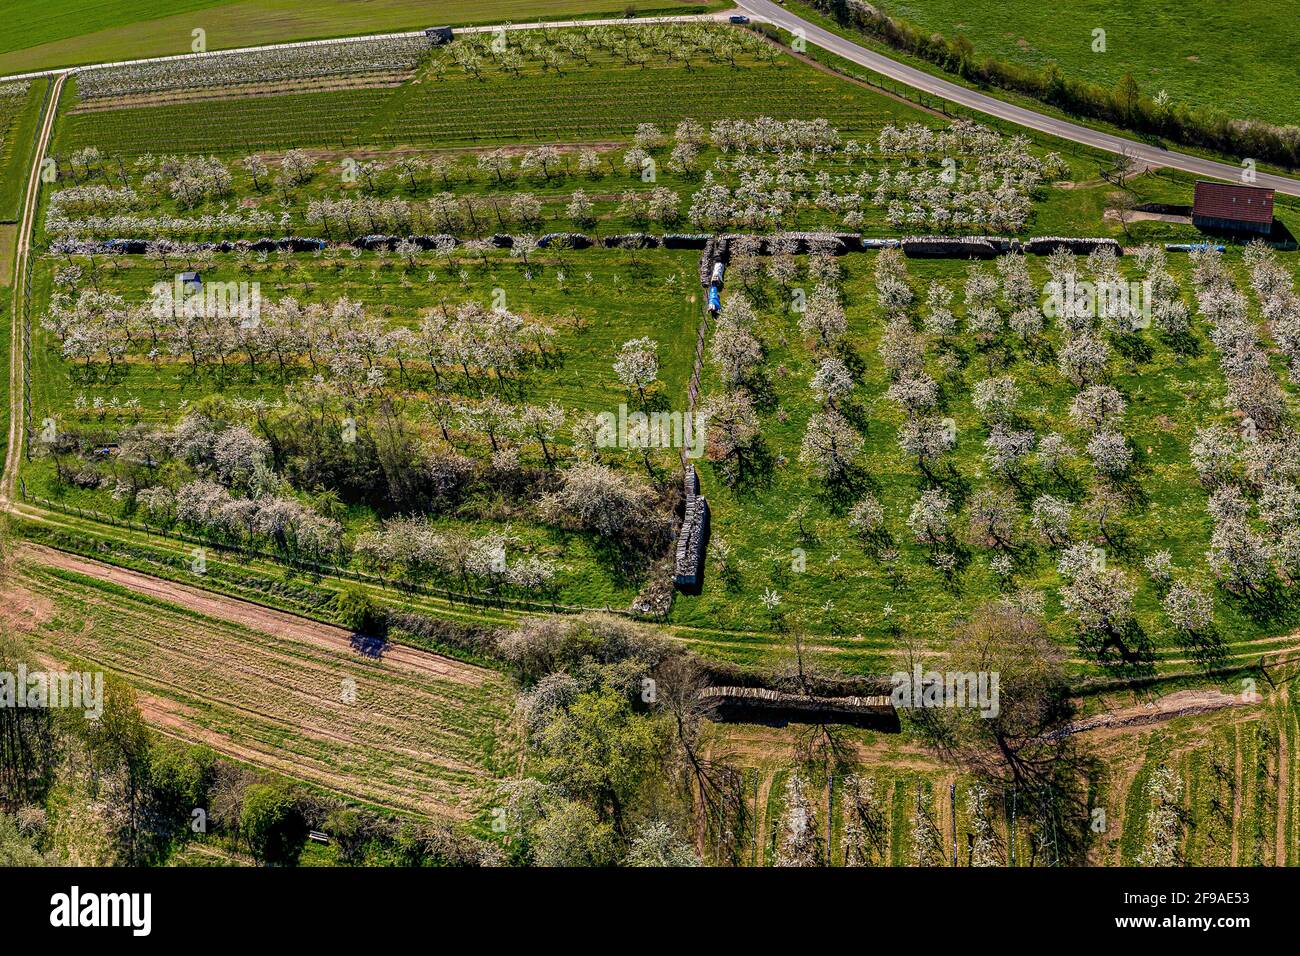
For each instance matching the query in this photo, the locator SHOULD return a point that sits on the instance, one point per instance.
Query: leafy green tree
(271, 825)
(574, 835)
(180, 777)
(29, 744)
(120, 750)
(1127, 95)
(346, 828)
(600, 751)
(16, 847)
(354, 610)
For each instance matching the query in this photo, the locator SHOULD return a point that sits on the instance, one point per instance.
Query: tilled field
(399, 728)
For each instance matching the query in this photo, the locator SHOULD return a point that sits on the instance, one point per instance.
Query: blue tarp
(715, 300)
(1192, 246)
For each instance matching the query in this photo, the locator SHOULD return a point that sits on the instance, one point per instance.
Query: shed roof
(1231, 201)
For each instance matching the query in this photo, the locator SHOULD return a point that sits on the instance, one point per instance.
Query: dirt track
(267, 620)
(1183, 703)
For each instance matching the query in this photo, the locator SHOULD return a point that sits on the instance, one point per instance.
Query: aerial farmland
(684, 434)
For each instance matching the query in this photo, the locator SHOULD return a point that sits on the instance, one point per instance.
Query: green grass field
(39, 35)
(857, 607)
(598, 104)
(19, 116)
(1186, 49)
(602, 302)
(840, 593)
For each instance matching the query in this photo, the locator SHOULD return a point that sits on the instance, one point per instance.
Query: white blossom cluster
(340, 340)
(1164, 792)
(1254, 469)
(189, 180)
(798, 842)
(236, 496)
(211, 509)
(1278, 302)
(965, 177)
(94, 198)
(341, 58)
(416, 549)
(767, 135)
(128, 226)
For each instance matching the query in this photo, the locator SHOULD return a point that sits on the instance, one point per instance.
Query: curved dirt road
(22, 250)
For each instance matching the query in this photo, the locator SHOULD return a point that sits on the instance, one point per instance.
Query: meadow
(784, 531)
(601, 302)
(1185, 49)
(785, 560)
(20, 107)
(580, 96)
(404, 442)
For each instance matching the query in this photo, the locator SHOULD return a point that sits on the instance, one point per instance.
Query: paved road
(919, 79)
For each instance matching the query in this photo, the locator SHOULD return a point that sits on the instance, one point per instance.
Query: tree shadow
(1127, 652)
(1267, 604)
(369, 645)
(1207, 650)
(1133, 347)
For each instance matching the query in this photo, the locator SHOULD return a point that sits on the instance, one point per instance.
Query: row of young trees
(512, 53)
(341, 340)
(964, 177)
(1098, 596)
(1255, 469)
(467, 358)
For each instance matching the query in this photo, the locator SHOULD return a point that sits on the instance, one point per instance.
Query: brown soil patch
(22, 611)
(1184, 703)
(1114, 215)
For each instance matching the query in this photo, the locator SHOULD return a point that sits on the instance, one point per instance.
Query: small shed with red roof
(1232, 207)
